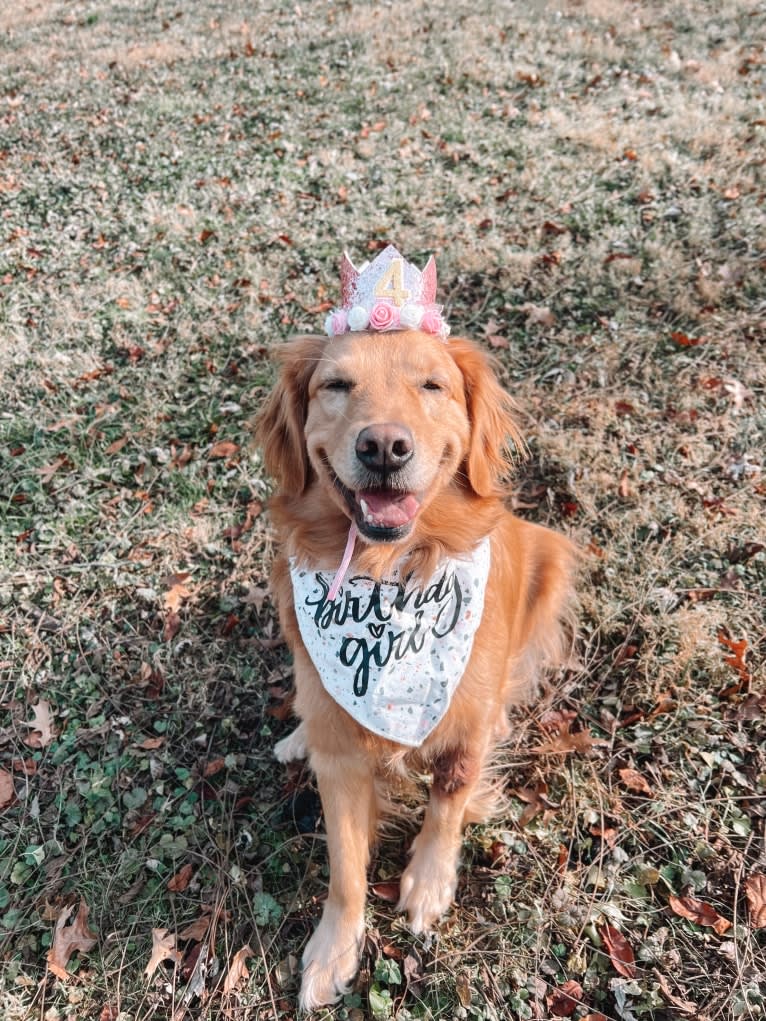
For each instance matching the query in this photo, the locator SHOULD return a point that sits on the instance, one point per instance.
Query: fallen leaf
(623, 487)
(388, 892)
(685, 1006)
(70, 938)
(197, 930)
(41, 727)
(563, 1001)
(163, 949)
(463, 989)
(619, 950)
(699, 912)
(538, 315)
(634, 781)
(109, 1012)
(685, 341)
(755, 889)
(562, 740)
(737, 660)
(222, 449)
(181, 879)
(535, 799)
(238, 972)
(177, 591)
(117, 445)
(7, 790)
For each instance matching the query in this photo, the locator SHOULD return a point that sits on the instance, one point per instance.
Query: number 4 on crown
(391, 284)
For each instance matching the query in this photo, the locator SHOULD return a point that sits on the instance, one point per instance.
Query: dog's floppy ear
(490, 411)
(279, 424)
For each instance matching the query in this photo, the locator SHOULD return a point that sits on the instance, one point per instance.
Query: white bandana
(392, 653)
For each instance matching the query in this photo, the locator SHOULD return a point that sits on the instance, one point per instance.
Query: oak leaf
(70, 938)
(700, 912)
(755, 889)
(163, 949)
(634, 781)
(619, 950)
(41, 727)
(238, 972)
(177, 591)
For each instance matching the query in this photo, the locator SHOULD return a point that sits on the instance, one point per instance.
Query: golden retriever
(404, 435)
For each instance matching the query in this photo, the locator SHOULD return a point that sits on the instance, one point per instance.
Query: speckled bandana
(392, 653)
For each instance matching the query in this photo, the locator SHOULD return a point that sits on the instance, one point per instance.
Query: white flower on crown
(411, 316)
(358, 318)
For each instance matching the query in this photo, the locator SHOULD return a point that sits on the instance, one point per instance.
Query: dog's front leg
(331, 957)
(429, 881)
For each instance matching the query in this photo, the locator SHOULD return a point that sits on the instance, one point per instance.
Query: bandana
(392, 653)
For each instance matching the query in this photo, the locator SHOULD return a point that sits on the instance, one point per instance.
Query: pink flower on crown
(384, 316)
(336, 323)
(432, 321)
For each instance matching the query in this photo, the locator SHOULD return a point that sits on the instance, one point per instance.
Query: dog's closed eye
(339, 384)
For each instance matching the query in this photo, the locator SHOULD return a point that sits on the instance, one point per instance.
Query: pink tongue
(388, 509)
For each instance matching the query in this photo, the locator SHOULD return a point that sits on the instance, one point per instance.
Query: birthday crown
(388, 293)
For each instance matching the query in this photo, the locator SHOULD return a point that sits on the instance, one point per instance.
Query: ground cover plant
(176, 185)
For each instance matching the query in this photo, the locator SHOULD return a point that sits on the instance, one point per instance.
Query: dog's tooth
(365, 511)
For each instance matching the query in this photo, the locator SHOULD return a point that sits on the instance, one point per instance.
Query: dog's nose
(385, 447)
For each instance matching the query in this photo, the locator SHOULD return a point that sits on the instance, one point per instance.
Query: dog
(391, 445)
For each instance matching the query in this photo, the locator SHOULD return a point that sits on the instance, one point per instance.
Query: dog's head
(383, 422)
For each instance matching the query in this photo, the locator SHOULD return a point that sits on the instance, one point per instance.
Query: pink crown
(388, 293)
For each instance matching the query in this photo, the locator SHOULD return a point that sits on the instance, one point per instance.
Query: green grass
(176, 187)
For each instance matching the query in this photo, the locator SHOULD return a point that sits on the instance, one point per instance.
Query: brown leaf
(538, 315)
(109, 1012)
(563, 1001)
(222, 449)
(177, 591)
(117, 445)
(562, 740)
(7, 790)
(685, 1006)
(700, 912)
(684, 341)
(623, 486)
(196, 930)
(388, 892)
(634, 781)
(238, 972)
(463, 989)
(737, 660)
(163, 949)
(755, 888)
(41, 727)
(181, 879)
(619, 950)
(69, 938)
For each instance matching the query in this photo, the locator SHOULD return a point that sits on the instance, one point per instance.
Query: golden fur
(460, 420)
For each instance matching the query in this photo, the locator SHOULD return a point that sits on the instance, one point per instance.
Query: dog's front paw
(293, 746)
(427, 889)
(331, 959)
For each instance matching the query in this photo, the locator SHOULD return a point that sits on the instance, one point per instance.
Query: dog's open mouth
(384, 509)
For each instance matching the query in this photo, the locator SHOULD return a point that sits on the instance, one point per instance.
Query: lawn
(177, 183)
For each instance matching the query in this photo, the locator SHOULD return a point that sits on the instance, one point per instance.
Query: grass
(176, 186)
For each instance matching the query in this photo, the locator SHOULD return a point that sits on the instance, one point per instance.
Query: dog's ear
(279, 424)
(491, 414)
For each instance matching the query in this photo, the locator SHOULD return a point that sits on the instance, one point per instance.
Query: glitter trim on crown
(386, 294)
